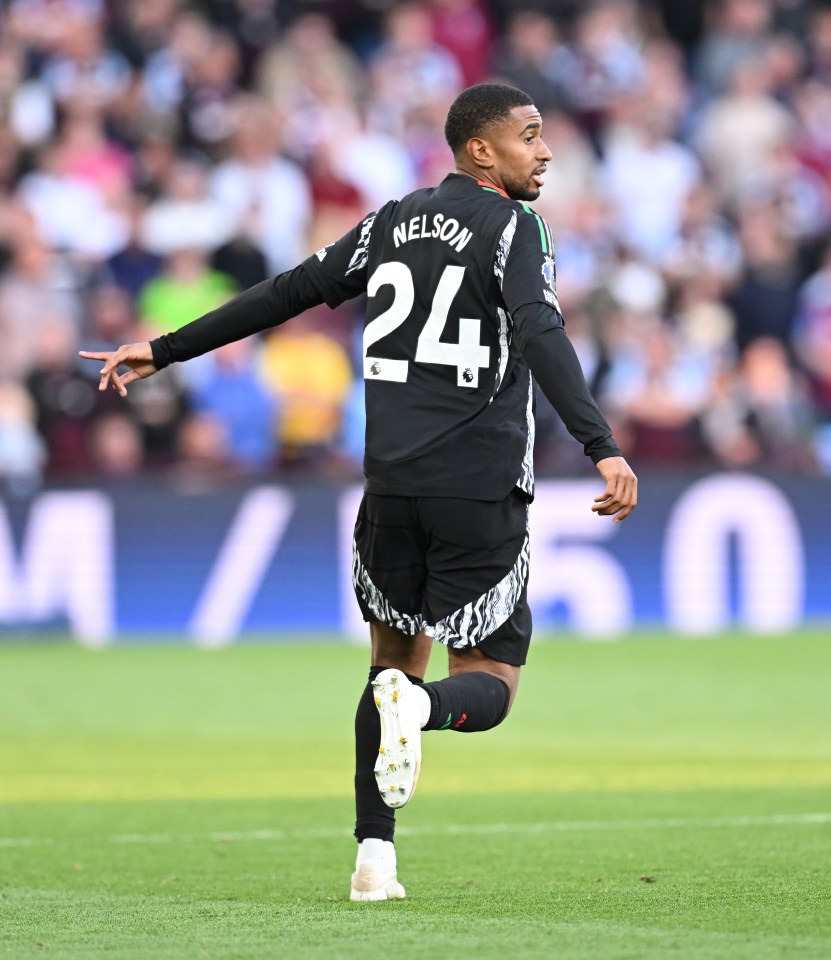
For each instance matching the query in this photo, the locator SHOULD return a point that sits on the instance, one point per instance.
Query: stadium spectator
(38, 286)
(648, 177)
(812, 108)
(373, 161)
(311, 374)
(186, 216)
(210, 87)
(132, 266)
(739, 32)
(409, 69)
(184, 225)
(90, 156)
(116, 450)
(23, 451)
(255, 26)
(764, 299)
(109, 315)
(658, 394)
(607, 43)
(574, 178)
(65, 399)
(72, 214)
(587, 248)
(705, 246)
(185, 284)
(241, 258)
(818, 38)
(241, 404)
(82, 66)
(203, 460)
(465, 28)
(260, 192)
(761, 415)
(311, 77)
(27, 111)
(740, 131)
(812, 334)
(139, 29)
(534, 57)
(169, 70)
(159, 414)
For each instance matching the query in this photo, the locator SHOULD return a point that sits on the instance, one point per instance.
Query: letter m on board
(64, 567)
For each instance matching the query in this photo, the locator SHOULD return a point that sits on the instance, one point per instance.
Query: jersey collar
(490, 187)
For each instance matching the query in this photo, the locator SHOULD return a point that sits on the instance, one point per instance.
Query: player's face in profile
(520, 153)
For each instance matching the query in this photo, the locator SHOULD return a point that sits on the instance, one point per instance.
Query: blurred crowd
(158, 155)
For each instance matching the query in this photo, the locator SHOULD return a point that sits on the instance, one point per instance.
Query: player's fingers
(610, 494)
(94, 355)
(113, 362)
(618, 500)
(616, 510)
(107, 357)
(623, 513)
(125, 378)
(118, 383)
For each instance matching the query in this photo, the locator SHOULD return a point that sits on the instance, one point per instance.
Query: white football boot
(399, 755)
(375, 876)
(369, 882)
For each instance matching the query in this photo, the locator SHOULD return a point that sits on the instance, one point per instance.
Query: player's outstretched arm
(620, 497)
(137, 356)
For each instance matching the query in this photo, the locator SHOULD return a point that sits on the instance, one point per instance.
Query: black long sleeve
(554, 365)
(265, 305)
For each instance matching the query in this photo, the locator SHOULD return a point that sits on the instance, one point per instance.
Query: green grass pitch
(649, 798)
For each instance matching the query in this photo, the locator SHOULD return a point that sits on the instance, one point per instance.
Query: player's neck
(481, 178)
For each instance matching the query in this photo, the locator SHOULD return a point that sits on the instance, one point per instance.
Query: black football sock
(373, 818)
(467, 702)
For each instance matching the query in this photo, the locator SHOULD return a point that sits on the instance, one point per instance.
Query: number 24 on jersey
(468, 355)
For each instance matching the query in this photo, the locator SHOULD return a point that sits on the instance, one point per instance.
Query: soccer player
(461, 312)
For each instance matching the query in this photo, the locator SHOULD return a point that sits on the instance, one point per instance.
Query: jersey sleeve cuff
(161, 353)
(604, 452)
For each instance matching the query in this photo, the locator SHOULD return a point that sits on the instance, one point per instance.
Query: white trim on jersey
(360, 256)
(477, 620)
(503, 249)
(526, 477)
(504, 324)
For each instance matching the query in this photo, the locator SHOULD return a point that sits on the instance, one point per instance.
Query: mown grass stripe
(450, 829)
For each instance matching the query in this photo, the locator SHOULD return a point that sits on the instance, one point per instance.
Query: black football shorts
(457, 569)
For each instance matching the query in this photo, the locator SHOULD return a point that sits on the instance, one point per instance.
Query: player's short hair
(478, 108)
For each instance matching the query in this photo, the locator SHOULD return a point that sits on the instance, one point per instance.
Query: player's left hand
(620, 497)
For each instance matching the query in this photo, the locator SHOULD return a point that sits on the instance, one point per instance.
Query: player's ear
(480, 152)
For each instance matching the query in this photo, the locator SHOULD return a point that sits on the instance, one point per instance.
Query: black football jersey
(449, 399)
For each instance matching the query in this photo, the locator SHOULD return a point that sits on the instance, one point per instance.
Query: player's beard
(525, 190)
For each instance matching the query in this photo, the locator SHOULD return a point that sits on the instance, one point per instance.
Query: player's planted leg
(373, 818)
